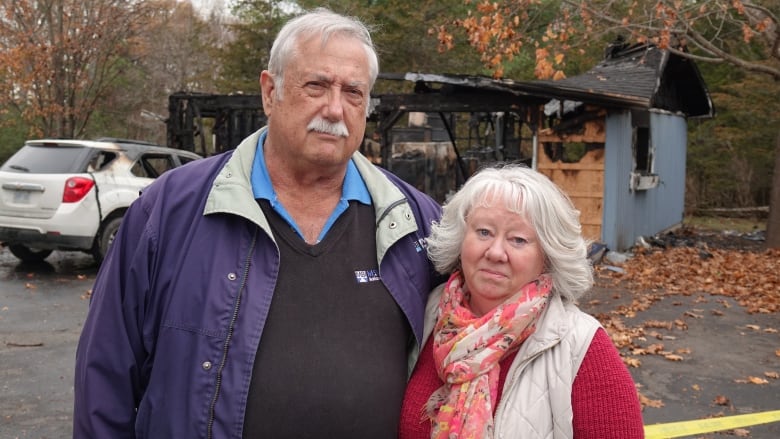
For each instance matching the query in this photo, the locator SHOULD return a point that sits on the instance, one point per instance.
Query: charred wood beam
(573, 124)
(464, 102)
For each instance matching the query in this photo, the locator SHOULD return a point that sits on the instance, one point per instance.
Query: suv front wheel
(27, 254)
(105, 238)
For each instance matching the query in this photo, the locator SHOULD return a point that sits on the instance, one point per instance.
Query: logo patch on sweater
(365, 276)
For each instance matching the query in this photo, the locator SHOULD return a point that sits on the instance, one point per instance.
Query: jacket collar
(231, 191)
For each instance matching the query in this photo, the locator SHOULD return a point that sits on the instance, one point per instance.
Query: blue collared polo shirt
(354, 188)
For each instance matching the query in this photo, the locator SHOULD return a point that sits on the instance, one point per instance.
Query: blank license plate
(21, 197)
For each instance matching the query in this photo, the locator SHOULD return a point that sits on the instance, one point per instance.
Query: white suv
(72, 194)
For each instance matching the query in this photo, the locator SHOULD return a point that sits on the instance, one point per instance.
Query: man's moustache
(321, 125)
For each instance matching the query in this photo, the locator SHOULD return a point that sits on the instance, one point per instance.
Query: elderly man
(271, 291)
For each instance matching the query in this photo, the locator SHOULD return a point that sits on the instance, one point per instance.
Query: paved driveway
(709, 353)
(42, 308)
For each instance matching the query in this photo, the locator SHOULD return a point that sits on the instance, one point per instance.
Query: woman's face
(499, 255)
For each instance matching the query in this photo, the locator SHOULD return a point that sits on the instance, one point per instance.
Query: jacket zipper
(231, 327)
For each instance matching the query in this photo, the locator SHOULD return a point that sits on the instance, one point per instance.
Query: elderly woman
(512, 356)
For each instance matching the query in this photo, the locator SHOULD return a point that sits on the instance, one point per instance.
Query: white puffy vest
(536, 399)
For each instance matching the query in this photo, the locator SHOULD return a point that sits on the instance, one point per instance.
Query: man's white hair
(325, 23)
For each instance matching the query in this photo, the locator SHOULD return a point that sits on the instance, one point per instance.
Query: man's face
(320, 119)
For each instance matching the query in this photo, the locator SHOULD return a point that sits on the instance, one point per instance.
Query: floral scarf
(467, 350)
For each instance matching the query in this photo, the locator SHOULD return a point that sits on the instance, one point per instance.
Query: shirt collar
(354, 187)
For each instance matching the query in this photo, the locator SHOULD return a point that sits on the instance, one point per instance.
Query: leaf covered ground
(705, 262)
(704, 266)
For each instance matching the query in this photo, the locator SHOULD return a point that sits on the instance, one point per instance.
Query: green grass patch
(742, 225)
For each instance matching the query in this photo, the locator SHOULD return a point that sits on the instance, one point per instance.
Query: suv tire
(106, 236)
(27, 254)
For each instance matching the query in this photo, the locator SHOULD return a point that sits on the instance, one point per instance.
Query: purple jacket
(179, 304)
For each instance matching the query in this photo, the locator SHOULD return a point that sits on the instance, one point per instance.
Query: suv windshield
(47, 159)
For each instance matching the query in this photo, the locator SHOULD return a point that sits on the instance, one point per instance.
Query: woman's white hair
(325, 23)
(533, 196)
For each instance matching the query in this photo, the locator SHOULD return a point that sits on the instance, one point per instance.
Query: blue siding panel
(627, 214)
(617, 164)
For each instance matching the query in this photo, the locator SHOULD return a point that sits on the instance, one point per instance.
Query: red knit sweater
(604, 399)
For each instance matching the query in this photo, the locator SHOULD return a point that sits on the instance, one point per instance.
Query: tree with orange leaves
(739, 32)
(58, 58)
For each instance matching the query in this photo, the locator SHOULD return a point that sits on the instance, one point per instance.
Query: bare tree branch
(684, 28)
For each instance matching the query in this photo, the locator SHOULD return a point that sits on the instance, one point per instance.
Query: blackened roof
(643, 76)
(636, 77)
